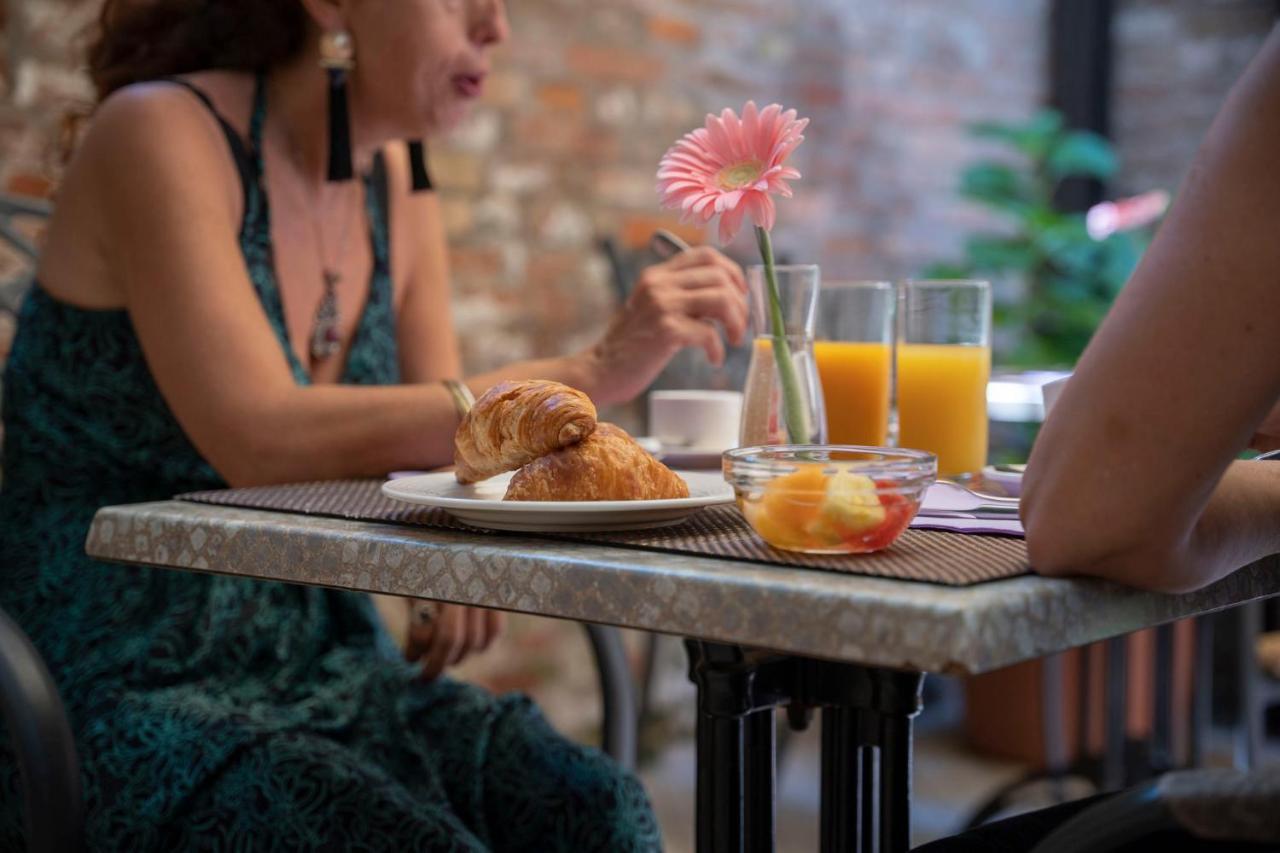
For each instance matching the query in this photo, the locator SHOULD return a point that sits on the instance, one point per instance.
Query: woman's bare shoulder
(158, 119)
(147, 145)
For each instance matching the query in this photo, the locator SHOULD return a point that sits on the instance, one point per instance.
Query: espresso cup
(698, 420)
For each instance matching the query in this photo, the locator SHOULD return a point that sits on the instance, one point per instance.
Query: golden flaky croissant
(516, 422)
(607, 465)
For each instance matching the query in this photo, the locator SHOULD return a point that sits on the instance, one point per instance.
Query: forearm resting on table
(324, 432)
(1237, 525)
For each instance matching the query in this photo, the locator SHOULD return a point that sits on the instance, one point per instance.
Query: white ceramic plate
(481, 505)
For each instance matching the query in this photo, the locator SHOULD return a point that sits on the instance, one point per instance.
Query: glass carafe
(764, 419)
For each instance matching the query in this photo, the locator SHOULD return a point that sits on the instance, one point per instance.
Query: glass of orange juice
(854, 353)
(944, 362)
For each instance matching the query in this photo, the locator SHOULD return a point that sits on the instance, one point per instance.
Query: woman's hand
(687, 301)
(448, 634)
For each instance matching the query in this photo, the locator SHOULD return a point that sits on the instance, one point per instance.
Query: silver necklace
(326, 336)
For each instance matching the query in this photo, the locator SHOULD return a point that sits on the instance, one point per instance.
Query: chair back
(43, 744)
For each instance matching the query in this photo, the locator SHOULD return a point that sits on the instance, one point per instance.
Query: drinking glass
(854, 352)
(944, 363)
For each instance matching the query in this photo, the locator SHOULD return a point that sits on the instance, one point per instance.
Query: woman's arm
(171, 246)
(1132, 477)
(684, 302)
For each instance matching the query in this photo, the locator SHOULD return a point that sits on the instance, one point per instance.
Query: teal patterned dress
(218, 713)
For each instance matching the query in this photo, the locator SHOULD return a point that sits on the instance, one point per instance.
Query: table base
(867, 717)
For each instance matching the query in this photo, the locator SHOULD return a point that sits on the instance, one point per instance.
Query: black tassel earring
(337, 58)
(418, 165)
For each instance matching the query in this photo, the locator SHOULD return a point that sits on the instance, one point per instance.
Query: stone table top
(872, 621)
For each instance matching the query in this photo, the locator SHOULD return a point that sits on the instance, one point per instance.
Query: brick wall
(1174, 62)
(566, 150)
(587, 96)
(39, 82)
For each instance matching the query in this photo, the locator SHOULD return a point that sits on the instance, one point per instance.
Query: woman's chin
(450, 115)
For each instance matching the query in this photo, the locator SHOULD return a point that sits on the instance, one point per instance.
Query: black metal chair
(1197, 805)
(13, 209)
(42, 744)
(620, 707)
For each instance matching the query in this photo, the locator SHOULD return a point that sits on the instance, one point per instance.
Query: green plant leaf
(990, 253)
(997, 131)
(1069, 247)
(1070, 279)
(946, 270)
(997, 185)
(1082, 154)
(1034, 137)
(1042, 218)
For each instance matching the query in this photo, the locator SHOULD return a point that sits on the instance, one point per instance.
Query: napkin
(946, 507)
(990, 526)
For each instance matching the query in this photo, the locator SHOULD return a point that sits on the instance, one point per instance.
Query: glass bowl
(829, 498)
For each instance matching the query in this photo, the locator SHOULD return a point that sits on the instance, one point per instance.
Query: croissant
(516, 422)
(607, 465)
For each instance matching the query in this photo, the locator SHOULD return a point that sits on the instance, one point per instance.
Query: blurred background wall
(587, 96)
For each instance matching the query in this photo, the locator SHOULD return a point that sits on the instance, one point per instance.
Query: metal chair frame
(42, 743)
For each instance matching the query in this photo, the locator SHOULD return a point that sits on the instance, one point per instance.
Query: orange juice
(855, 384)
(942, 403)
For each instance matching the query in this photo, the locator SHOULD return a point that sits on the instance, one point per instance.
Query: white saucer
(1002, 482)
(481, 505)
(679, 456)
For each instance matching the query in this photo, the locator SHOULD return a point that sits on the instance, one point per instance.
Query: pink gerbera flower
(731, 167)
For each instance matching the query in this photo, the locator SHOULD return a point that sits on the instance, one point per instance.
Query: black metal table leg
(869, 804)
(897, 703)
(761, 779)
(735, 804)
(721, 782)
(895, 784)
(866, 755)
(842, 791)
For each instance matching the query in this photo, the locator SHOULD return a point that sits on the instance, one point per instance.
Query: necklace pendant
(325, 341)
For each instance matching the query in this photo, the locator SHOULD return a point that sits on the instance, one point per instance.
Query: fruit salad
(817, 510)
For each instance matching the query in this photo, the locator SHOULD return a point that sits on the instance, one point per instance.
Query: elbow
(1134, 558)
(254, 458)
(241, 470)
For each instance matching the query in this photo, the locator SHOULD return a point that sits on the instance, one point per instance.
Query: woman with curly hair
(245, 282)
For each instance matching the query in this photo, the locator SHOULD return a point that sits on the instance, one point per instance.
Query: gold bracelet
(463, 399)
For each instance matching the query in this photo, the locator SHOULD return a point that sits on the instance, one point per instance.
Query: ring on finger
(424, 612)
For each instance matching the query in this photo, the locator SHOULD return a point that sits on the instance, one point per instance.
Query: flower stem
(795, 412)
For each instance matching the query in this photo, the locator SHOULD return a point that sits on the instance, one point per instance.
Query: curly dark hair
(146, 39)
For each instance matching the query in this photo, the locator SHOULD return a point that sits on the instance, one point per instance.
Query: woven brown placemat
(931, 556)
